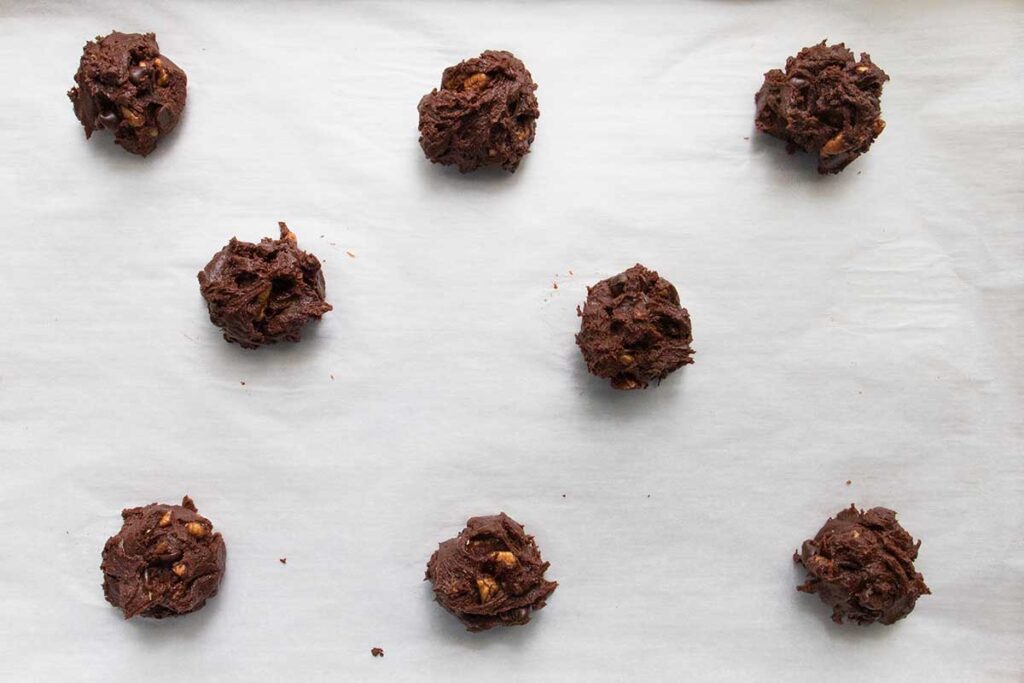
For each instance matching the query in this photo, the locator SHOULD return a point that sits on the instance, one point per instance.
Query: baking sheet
(865, 327)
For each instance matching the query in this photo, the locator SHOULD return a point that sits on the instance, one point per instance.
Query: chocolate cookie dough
(125, 85)
(634, 331)
(485, 114)
(165, 561)
(490, 575)
(263, 293)
(825, 103)
(861, 564)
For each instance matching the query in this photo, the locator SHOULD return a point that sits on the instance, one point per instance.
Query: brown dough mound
(862, 565)
(263, 293)
(125, 85)
(165, 561)
(825, 103)
(490, 575)
(485, 114)
(634, 331)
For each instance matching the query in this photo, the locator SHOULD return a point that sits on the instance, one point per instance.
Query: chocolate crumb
(283, 560)
(377, 652)
(848, 482)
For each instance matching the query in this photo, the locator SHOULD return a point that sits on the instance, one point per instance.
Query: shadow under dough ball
(490, 575)
(164, 562)
(263, 293)
(634, 331)
(824, 103)
(485, 114)
(861, 564)
(126, 86)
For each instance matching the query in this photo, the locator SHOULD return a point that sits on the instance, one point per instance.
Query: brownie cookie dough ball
(125, 85)
(634, 331)
(165, 561)
(490, 575)
(825, 103)
(861, 564)
(485, 114)
(263, 293)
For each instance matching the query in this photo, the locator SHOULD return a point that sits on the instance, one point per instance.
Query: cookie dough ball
(490, 575)
(165, 561)
(634, 331)
(125, 85)
(485, 114)
(861, 564)
(263, 293)
(825, 103)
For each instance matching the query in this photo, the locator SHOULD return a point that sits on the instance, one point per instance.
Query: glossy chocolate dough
(126, 86)
(485, 114)
(633, 330)
(490, 575)
(861, 564)
(825, 103)
(165, 561)
(263, 293)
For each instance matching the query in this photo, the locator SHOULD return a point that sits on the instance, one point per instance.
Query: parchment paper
(865, 327)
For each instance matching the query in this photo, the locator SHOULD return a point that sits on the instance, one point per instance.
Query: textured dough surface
(825, 103)
(633, 330)
(165, 561)
(263, 293)
(485, 114)
(126, 86)
(861, 564)
(490, 575)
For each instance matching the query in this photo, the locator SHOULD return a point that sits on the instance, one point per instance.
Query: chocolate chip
(137, 75)
(109, 120)
(618, 284)
(165, 118)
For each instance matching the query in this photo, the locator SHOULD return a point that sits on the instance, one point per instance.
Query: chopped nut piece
(286, 233)
(166, 519)
(179, 569)
(504, 557)
(487, 587)
(162, 77)
(626, 359)
(195, 529)
(475, 82)
(133, 119)
(261, 301)
(836, 145)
